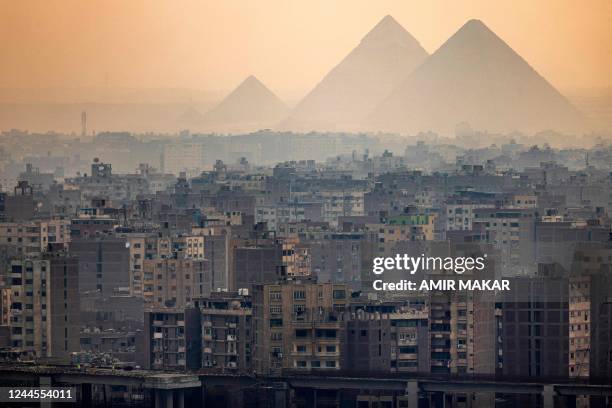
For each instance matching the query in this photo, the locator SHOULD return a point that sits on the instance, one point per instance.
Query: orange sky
(288, 44)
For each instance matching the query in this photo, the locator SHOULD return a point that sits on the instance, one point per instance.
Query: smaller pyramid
(249, 107)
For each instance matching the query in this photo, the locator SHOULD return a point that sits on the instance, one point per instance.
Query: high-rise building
(298, 325)
(590, 313)
(175, 282)
(104, 264)
(226, 320)
(397, 341)
(256, 264)
(172, 339)
(44, 314)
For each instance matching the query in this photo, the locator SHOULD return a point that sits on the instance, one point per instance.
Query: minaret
(83, 123)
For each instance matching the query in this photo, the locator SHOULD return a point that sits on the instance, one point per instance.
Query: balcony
(407, 342)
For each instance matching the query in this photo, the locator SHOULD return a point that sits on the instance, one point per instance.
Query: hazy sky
(288, 44)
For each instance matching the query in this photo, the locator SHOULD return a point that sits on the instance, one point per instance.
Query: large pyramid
(249, 107)
(383, 58)
(475, 77)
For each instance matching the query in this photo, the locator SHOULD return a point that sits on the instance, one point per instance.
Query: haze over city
(291, 204)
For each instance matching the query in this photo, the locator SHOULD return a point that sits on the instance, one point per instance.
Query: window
(339, 294)
(276, 322)
(299, 294)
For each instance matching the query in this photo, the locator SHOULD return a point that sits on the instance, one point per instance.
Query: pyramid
(190, 116)
(383, 58)
(249, 107)
(475, 77)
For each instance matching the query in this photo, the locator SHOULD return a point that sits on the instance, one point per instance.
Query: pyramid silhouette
(251, 106)
(383, 58)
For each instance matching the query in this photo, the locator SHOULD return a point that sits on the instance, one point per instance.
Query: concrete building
(104, 264)
(590, 313)
(535, 331)
(227, 335)
(33, 237)
(172, 339)
(172, 282)
(45, 306)
(406, 227)
(511, 231)
(256, 265)
(298, 325)
(395, 342)
(460, 214)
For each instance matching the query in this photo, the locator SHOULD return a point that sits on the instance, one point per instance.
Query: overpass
(169, 389)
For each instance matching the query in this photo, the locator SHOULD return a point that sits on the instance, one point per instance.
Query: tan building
(33, 237)
(406, 227)
(298, 326)
(296, 258)
(44, 314)
(340, 203)
(175, 282)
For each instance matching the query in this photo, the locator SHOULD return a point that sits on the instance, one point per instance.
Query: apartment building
(460, 214)
(33, 237)
(104, 264)
(171, 339)
(44, 313)
(226, 331)
(396, 342)
(298, 325)
(406, 227)
(175, 282)
(590, 313)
